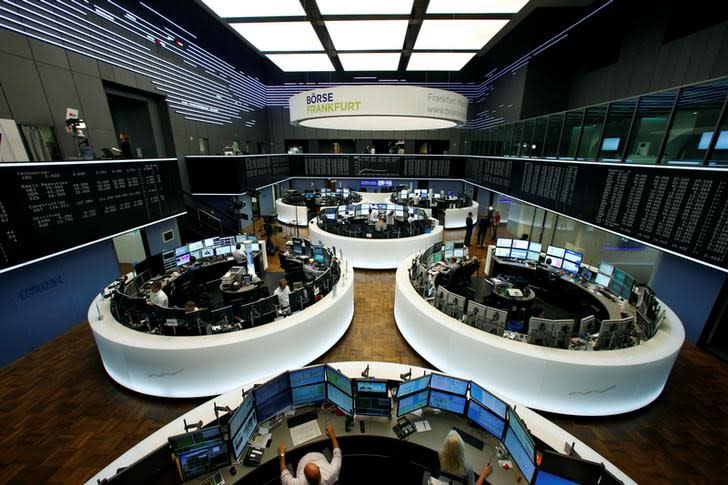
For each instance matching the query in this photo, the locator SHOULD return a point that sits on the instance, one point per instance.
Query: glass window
(648, 128)
(498, 148)
(553, 132)
(516, 140)
(570, 134)
(719, 154)
(507, 137)
(591, 132)
(526, 139)
(696, 114)
(616, 129)
(539, 134)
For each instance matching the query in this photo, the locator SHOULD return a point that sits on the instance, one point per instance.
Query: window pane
(498, 150)
(553, 132)
(720, 150)
(570, 134)
(616, 128)
(593, 123)
(516, 141)
(696, 115)
(648, 129)
(507, 136)
(526, 139)
(539, 134)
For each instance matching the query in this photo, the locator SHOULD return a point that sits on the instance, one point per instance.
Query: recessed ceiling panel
(474, 6)
(349, 35)
(254, 8)
(370, 61)
(457, 34)
(368, 7)
(280, 36)
(439, 61)
(302, 62)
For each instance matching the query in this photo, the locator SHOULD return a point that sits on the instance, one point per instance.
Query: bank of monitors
(449, 384)
(621, 283)
(615, 334)
(606, 269)
(413, 386)
(307, 386)
(371, 398)
(339, 390)
(503, 242)
(485, 398)
(520, 445)
(601, 280)
(199, 452)
(242, 424)
(519, 253)
(447, 402)
(558, 469)
(555, 252)
(587, 325)
(455, 305)
(503, 252)
(182, 250)
(481, 416)
(495, 321)
(412, 402)
(520, 244)
(222, 250)
(476, 314)
(273, 397)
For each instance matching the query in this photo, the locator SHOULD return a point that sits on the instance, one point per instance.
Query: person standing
(496, 221)
(125, 145)
(283, 293)
(483, 226)
(158, 296)
(469, 224)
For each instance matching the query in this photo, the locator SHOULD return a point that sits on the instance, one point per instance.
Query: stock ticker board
(46, 208)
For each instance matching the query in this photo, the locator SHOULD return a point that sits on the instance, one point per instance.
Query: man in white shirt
(313, 468)
(373, 215)
(239, 254)
(159, 297)
(283, 292)
(416, 199)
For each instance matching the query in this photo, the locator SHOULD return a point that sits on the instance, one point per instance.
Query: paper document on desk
(305, 432)
(261, 440)
(422, 426)
(514, 292)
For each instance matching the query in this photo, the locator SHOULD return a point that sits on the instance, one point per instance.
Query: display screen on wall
(47, 208)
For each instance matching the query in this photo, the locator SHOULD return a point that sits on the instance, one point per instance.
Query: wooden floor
(65, 419)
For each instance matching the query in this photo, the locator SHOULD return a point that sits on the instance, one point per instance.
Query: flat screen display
(546, 478)
(519, 254)
(557, 262)
(458, 253)
(222, 250)
(534, 246)
(486, 420)
(339, 398)
(372, 405)
(519, 455)
(610, 144)
(240, 415)
(449, 384)
(413, 385)
(606, 269)
(379, 387)
(412, 403)
(308, 395)
(487, 399)
(447, 402)
(273, 397)
(209, 242)
(503, 242)
(200, 452)
(181, 250)
(570, 267)
(602, 280)
(207, 252)
(195, 246)
(338, 379)
(309, 375)
(533, 256)
(449, 245)
(556, 251)
(573, 256)
(240, 439)
(503, 252)
(519, 428)
(182, 260)
(519, 244)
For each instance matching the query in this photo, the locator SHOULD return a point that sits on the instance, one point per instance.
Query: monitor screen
(532, 256)
(458, 253)
(308, 395)
(200, 452)
(486, 420)
(602, 280)
(503, 252)
(240, 439)
(519, 455)
(570, 267)
(606, 268)
(503, 243)
(379, 387)
(195, 254)
(449, 384)
(339, 398)
(519, 428)
(181, 250)
(488, 400)
(573, 256)
(519, 254)
(534, 246)
(195, 246)
(207, 252)
(413, 386)
(366, 405)
(318, 254)
(273, 397)
(240, 415)
(255, 246)
(519, 244)
(338, 379)
(240, 238)
(222, 250)
(209, 242)
(412, 403)
(586, 273)
(447, 402)
(304, 377)
(610, 144)
(448, 253)
(449, 245)
(181, 260)
(546, 478)
(556, 251)
(557, 262)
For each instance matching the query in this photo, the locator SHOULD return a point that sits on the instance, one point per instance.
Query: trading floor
(65, 419)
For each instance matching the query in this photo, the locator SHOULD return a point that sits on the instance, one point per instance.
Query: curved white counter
(539, 426)
(369, 253)
(291, 214)
(562, 381)
(376, 197)
(455, 218)
(211, 364)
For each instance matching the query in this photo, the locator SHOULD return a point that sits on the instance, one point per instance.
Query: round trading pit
(293, 207)
(452, 208)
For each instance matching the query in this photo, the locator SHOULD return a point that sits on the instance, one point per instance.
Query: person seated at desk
(347, 216)
(380, 225)
(390, 218)
(411, 217)
(283, 292)
(158, 296)
(453, 463)
(416, 200)
(314, 468)
(239, 254)
(373, 215)
(311, 271)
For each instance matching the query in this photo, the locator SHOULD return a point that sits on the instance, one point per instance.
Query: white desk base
(291, 214)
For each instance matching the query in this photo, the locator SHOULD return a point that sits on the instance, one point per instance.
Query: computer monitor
(209, 242)
(559, 469)
(621, 284)
(411, 403)
(606, 268)
(476, 314)
(181, 250)
(196, 254)
(449, 245)
(340, 399)
(557, 262)
(561, 331)
(495, 320)
(241, 439)
(297, 246)
(587, 325)
(447, 402)
(519, 244)
(486, 419)
(556, 251)
(540, 331)
(570, 267)
(532, 255)
(318, 254)
(459, 253)
(487, 399)
(456, 305)
(371, 398)
(534, 246)
(524, 437)
(602, 280)
(273, 397)
(503, 242)
(503, 252)
(182, 260)
(238, 417)
(519, 253)
(338, 379)
(449, 384)
(436, 257)
(448, 253)
(306, 376)
(585, 273)
(207, 252)
(308, 395)
(199, 452)
(519, 455)
(573, 256)
(222, 250)
(412, 386)
(195, 246)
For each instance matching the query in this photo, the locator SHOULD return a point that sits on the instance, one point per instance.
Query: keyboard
(469, 439)
(302, 418)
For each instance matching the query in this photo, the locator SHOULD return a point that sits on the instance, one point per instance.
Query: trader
(416, 199)
(314, 468)
(469, 225)
(239, 255)
(158, 296)
(283, 292)
(483, 225)
(380, 225)
(453, 463)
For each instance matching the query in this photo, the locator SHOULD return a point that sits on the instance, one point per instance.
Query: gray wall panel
(48, 54)
(24, 91)
(60, 91)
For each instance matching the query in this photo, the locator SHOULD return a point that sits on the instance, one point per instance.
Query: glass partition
(570, 134)
(516, 140)
(553, 133)
(539, 135)
(526, 139)
(616, 129)
(507, 140)
(719, 153)
(591, 132)
(648, 128)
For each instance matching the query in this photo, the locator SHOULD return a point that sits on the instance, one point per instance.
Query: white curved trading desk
(369, 253)
(583, 383)
(455, 218)
(539, 426)
(376, 197)
(207, 365)
(296, 215)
